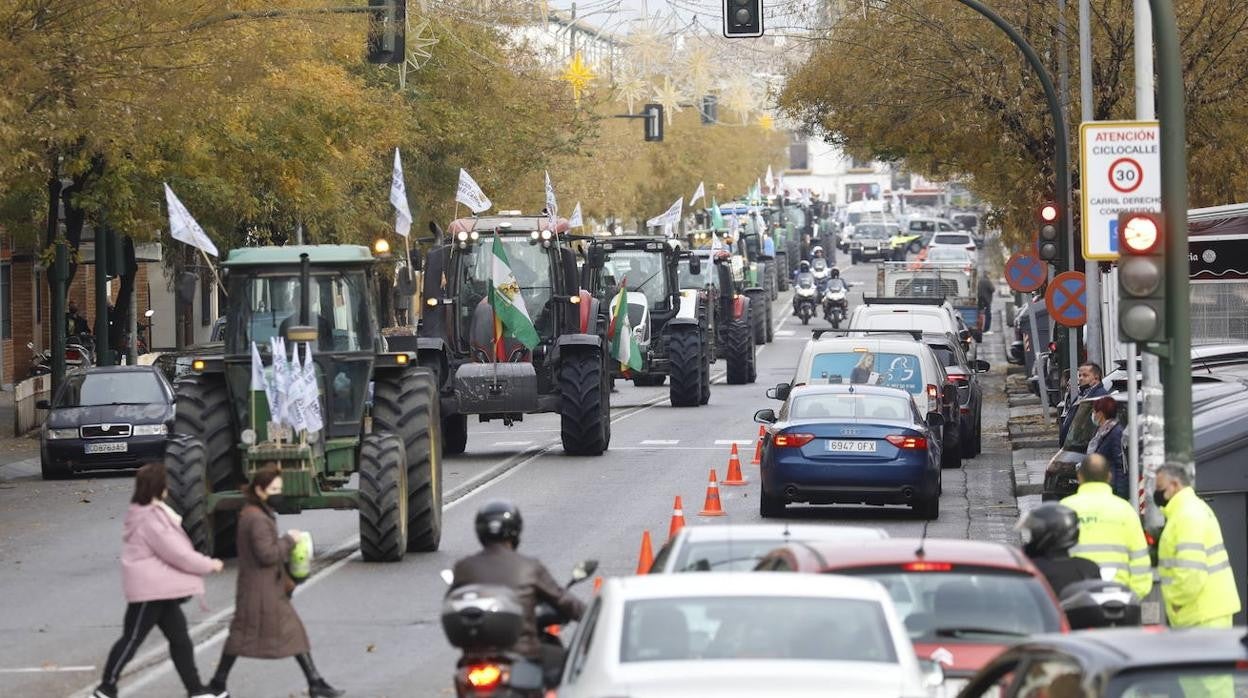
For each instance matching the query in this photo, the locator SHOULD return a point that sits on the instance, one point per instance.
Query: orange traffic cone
(678, 518)
(597, 584)
(712, 506)
(734, 469)
(646, 559)
(758, 446)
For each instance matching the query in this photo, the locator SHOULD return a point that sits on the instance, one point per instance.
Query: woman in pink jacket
(160, 570)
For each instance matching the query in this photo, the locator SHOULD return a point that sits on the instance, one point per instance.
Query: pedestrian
(1197, 583)
(986, 291)
(1107, 441)
(1049, 533)
(265, 625)
(1089, 377)
(160, 570)
(1110, 533)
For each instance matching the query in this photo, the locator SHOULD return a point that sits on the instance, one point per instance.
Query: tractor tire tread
(383, 479)
(406, 405)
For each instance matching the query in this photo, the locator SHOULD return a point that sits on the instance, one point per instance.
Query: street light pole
(1091, 268)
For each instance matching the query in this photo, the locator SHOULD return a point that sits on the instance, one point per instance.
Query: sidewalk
(1033, 439)
(19, 455)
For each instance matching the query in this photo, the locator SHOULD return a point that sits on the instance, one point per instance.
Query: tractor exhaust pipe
(305, 289)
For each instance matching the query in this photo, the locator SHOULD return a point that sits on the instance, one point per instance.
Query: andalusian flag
(717, 216)
(623, 344)
(510, 316)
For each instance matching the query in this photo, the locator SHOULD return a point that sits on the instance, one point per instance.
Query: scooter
(836, 303)
(484, 621)
(804, 297)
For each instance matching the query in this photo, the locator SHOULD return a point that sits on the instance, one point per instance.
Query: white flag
(575, 221)
(669, 217)
(470, 194)
(184, 228)
(700, 193)
(259, 383)
(281, 381)
(312, 393)
(717, 243)
(771, 181)
(296, 404)
(552, 206)
(398, 197)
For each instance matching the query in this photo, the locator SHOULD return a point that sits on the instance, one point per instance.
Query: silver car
(732, 548)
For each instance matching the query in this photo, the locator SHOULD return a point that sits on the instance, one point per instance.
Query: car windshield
(952, 239)
(874, 368)
(901, 320)
(338, 308)
(940, 604)
(706, 275)
(874, 232)
(1181, 682)
(849, 406)
(638, 270)
(530, 264)
(111, 388)
(755, 627)
(948, 254)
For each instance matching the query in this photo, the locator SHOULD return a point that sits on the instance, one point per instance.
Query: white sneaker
(207, 693)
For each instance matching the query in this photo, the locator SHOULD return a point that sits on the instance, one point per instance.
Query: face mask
(1159, 498)
(275, 501)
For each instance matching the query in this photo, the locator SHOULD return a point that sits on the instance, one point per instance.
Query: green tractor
(755, 274)
(322, 297)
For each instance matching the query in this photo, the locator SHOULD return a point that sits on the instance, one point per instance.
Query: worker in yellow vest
(1197, 584)
(1110, 533)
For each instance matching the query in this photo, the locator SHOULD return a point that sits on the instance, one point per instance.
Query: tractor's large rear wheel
(769, 328)
(188, 492)
(406, 404)
(585, 403)
(740, 352)
(782, 272)
(758, 317)
(706, 378)
(383, 497)
(684, 353)
(204, 413)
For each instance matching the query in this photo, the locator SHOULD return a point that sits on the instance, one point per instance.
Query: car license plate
(107, 447)
(850, 446)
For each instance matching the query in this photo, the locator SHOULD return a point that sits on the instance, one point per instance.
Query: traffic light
(387, 24)
(743, 18)
(1048, 241)
(1141, 278)
(653, 114)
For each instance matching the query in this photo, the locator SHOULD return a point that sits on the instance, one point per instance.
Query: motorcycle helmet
(803, 266)
(836, 273)
(816, 251)
(499, 522)
(1049, 529)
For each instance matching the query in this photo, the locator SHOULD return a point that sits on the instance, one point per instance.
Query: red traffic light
(1049, 212)
(1139, 233)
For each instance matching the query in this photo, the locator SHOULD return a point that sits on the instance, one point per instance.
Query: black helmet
(1049, 529)
(499, 522)
(804, 266)
(836, 273)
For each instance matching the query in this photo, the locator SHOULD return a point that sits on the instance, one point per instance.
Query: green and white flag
(510, 315)
(624, 347)
(717, 217)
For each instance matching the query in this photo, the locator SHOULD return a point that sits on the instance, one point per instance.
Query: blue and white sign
(1120, 163)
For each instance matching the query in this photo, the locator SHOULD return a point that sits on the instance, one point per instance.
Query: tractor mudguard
(740, 306)
(574, 343)
(689, 306)
(432, 352)
(679, 321)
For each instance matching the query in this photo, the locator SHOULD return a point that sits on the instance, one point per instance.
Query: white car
(739, 635)
(731, 548)
(962, 240)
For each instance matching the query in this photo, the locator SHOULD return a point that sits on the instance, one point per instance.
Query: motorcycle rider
(1049, 532)
(498, 528)
(804, 293)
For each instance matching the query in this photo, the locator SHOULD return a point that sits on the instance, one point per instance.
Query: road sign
(1120, 162)
(1025, 272)
(1067, 299)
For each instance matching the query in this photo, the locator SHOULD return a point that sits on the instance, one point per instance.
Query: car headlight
(149, 430)
(54, 434)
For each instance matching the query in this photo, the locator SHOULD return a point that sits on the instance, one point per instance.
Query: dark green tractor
(322, 296)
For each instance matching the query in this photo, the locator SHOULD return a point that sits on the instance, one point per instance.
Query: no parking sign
(1120, 163)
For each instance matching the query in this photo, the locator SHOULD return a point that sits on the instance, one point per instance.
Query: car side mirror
(933, 674)
(596, 257)
(935, 420)
(982, 366)
(766, 416)
(583, 569)
(695, 265)
(43, 405)
(780, 392)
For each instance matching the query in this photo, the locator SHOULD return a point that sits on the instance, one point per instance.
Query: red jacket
(157, 559)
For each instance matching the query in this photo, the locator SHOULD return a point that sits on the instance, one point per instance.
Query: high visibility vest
(1110, 535)
(1196, 579)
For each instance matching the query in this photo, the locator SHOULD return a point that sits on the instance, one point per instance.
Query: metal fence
(1219, 312)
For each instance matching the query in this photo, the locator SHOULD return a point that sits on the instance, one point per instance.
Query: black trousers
(140, 619)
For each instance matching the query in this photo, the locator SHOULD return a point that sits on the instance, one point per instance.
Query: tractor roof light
(462, 236)
(381, 247)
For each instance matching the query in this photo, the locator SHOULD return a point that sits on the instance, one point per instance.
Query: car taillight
(907, 442)
(485, 675)
(933, 398)
(971, 248)
(927, 566)
(791, 440)
(959, 378)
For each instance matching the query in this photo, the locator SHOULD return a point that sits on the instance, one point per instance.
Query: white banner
(184, 228)
(771, 181)
(398, 197)
(669, 217)
(552, 206)
(470, 194)
(699, 194)
(575, 221)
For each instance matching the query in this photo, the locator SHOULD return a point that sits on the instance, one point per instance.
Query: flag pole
(213, 269)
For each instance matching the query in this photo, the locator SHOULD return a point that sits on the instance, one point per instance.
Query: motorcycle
(822, 272)
(836, 303)
(40, 360)
(804, 297)
(484, 621)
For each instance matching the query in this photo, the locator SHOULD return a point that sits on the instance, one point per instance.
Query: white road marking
(785, 333)
(513, 443)
(52, 668)
(739, 442)
(664, 448)
(660, 442)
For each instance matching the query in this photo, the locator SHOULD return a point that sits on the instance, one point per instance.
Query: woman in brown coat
(265, 624)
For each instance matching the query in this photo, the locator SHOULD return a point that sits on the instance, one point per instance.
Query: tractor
(322, 298)
(672, 326)
(731, 311)
(494, 376)
(753, 274)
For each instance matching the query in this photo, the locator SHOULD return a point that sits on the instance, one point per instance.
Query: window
(6, 296)
(109, 388)
(878, 368)
(205, 300)
(270, 304)
(799, 156)
(1054, 677)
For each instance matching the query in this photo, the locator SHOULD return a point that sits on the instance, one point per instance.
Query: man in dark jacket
(1090, 386)
(985, 292)
(1049, 532)
(498, 528)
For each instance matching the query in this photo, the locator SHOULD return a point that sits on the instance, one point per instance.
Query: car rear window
(755, 627)
(845, 406)
(902, 371)
(952, 239)
(979, 604)
(944, 355)
(724, 555)
(901, 320)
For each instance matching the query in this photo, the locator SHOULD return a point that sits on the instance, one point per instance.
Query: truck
(955, 283)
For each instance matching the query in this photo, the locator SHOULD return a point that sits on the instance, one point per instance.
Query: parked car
(962, 601)
(739, 635)
(1122, 663)
(886, 357)
(960, 240)
(850, 444)
(734, 548)
(964, 373)
(105, 418)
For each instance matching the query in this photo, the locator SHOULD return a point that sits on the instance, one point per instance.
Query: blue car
(850, 444)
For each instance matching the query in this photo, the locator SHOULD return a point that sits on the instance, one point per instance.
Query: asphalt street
(374, 627)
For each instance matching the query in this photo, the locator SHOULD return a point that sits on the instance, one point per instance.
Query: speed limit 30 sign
(1120, 165)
